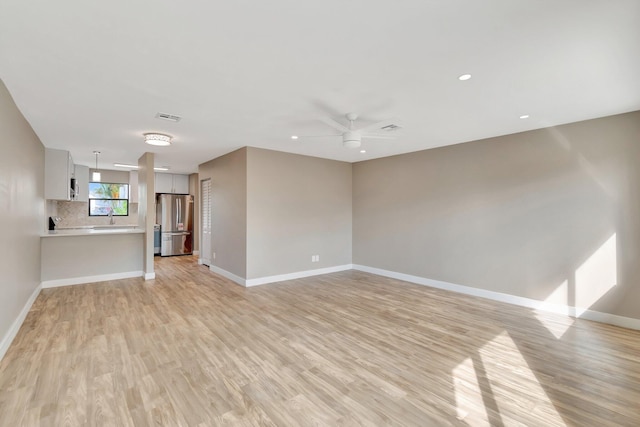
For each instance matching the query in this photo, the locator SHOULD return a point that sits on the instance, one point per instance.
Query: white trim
(596, 316)
(611, 319)
(15, 326)
(224, 273)
(91, 279)
(149, 276)
(196, 253)
(296, 275)
(278, 278)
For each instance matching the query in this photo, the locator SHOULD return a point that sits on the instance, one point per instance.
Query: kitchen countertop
(94, 230)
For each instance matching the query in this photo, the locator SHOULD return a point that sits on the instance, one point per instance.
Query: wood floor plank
(191, 348)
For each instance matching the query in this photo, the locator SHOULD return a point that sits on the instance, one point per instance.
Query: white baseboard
(224, 273)
(15, 326)
(91, 279)
(149, 276)
(296, 275)
(278, 278)
(596, 316)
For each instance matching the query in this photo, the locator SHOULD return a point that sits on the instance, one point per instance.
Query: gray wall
(228, 176)
(297, 206)
(21, 210)
(538, 214)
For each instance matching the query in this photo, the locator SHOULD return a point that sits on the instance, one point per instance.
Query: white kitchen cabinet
(164, 183)
(172, 183)
(181, 184)
(82, 179)
(133, 187)
(58, 171)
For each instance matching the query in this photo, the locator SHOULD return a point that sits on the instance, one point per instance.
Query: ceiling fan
(352, 137)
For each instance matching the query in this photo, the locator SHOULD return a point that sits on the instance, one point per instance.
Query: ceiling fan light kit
(351, 139)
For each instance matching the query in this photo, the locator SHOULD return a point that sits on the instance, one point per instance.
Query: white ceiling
(92, 75)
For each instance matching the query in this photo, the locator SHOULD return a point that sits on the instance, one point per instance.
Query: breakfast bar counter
(86, 255)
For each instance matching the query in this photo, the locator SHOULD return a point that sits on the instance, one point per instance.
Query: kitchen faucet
(112, 220)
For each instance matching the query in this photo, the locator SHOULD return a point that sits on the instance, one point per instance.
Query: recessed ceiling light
(294, 136)
(524, 116)
(124, 165)
(363, 151)
(157, 139)
(464, 77)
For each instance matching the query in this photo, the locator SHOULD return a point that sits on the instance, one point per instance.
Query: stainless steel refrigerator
(174, 213)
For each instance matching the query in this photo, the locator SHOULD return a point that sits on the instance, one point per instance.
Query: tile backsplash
(75, 214)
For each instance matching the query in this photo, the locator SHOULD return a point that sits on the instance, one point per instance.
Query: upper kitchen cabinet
(181, 184)
(172, 183)
(58, 171)
(82, 183)
(164, 183)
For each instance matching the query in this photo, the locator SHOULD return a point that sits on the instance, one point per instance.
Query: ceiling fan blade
(329, 121)
(316, 136)
(379, 125)
(378, 137)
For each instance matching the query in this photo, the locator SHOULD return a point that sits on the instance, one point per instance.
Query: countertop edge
(88, 232)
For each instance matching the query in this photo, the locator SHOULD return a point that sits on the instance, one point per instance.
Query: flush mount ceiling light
(95, 176)
(363, 151)
(124, 165)
(294, 136)
(524, 116)
(159, 139)
(464, 77)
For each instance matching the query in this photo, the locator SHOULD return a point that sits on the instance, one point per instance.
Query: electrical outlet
(315, 258)
(214, 255)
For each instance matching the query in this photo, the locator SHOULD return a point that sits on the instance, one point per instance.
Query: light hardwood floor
(193, 349)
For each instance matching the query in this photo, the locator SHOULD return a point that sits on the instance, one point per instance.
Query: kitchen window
(108, 198)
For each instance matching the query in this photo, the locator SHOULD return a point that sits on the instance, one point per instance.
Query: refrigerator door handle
(177, 211)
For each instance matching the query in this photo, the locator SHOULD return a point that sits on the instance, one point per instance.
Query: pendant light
(95, 177)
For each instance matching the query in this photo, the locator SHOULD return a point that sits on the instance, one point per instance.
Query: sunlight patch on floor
(469, 403)
(496, 384)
